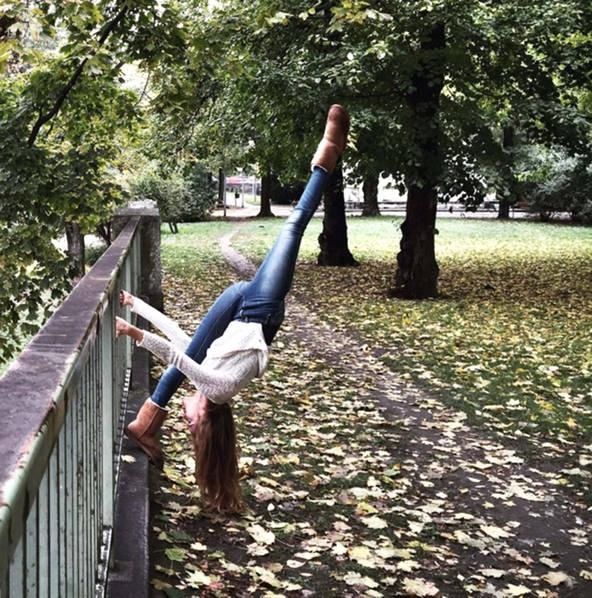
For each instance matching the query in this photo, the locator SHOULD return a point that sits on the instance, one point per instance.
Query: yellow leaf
(197, 579)
(266, 576)
(159, 584)
(355, 579)
(364, 508)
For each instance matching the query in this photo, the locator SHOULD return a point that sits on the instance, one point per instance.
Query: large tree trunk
(417, 271)
(266, 186)
(333, 238)
(370, 190)
(506, 196)
(75, 240)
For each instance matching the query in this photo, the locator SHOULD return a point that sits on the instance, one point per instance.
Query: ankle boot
(144, 429)
(334, 139)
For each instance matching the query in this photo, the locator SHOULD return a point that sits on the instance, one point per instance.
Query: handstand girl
(230, 346)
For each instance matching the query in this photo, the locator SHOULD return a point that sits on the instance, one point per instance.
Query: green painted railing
(61, 407)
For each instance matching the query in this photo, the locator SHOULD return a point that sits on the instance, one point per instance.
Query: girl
(230, 346)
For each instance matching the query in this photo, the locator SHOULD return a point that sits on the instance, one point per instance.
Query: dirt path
(359, 484)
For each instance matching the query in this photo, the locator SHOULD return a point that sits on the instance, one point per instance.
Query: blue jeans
(261, 299)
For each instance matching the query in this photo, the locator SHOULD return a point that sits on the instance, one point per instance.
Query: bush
(94, 252)
(179, 199)
(552, 182)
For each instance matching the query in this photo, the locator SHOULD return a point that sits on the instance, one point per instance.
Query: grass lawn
(344, 497)
(508, 341)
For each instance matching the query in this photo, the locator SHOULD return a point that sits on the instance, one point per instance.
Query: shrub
(551, 181)
(179, 199)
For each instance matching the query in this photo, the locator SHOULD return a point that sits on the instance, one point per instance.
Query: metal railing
(60, 414)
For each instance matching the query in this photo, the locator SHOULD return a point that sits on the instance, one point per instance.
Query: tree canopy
(450, 98)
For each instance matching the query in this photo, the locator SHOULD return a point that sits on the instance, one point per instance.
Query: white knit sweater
(231, 362)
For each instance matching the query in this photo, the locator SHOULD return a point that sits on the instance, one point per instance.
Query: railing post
(108, 440)
(150, 288)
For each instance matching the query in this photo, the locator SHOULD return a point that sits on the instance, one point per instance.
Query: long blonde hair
(216, 459)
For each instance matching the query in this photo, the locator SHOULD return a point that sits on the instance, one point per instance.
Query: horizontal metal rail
(60, 407)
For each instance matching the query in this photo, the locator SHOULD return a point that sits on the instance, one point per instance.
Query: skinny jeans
(259, 300)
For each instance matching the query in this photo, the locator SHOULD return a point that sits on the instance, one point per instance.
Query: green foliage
(551, 181)
(179, 199)
(93, 253)
(252, 83)
(64, 121)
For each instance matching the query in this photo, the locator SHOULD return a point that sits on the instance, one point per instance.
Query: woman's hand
(126, 298)
(121, 327)
(127, 329)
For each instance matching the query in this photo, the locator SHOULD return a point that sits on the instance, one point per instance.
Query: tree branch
(45, 118)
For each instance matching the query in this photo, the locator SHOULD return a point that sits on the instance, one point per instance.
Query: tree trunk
(104, 231)
(266, 185)
(333, 239)
(370, 190)
(222, 190)
(506, 195)
(417, 271)
(76, 252)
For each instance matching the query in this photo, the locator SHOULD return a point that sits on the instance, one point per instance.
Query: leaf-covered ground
(358, 481)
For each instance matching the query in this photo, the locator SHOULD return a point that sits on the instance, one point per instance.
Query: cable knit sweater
(231, 362)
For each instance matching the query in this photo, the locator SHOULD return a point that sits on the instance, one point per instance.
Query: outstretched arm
(218, 387)
(169, 327)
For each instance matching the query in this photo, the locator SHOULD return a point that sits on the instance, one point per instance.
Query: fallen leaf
(197, 579)
(419, 587)
(375, 522)
(495, 532)
(496, 573)
(266, 576)
(464, 538)
(556, 578)
(176, 554)
(159, 585)
(512, 590)
(261, 535)
(407, 566)
(355, 579)
(549, 562)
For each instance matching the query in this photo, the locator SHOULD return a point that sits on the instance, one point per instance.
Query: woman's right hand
(125, 298)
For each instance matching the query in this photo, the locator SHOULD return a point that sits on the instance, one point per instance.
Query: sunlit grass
(507, 341)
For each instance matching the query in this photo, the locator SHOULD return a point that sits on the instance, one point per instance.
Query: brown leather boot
(144, 429)
(334, 139)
